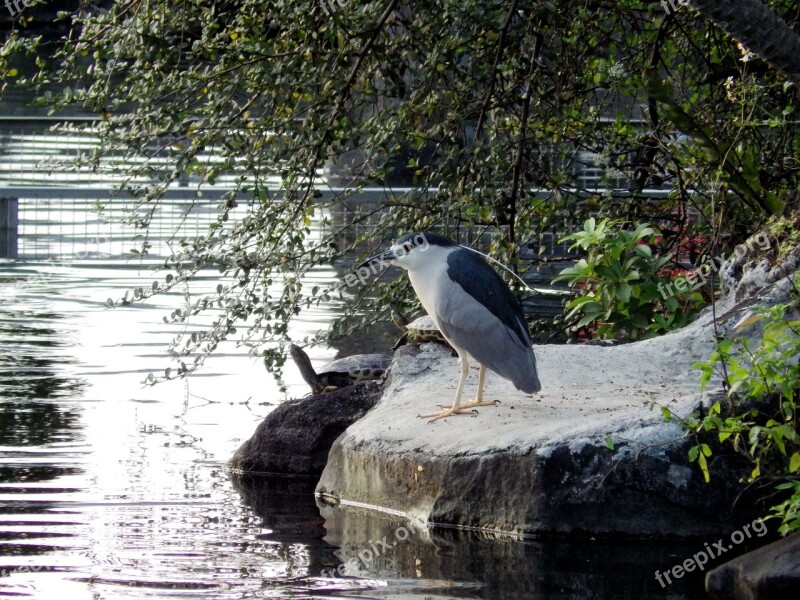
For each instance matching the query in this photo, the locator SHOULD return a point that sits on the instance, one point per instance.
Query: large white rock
(540, 464)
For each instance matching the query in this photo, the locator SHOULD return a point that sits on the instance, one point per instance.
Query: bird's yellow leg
(479, 396)
(457, 408)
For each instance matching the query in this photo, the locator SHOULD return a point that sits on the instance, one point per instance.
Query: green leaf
(586, 320)
(794, 463)
(624, 292)
(577, 302)
(701, 461)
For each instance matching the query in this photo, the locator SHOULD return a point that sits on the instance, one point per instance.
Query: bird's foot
(476, 403)
(449, 411)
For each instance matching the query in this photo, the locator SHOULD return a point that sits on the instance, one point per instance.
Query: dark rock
(769, 573)
(295, 438)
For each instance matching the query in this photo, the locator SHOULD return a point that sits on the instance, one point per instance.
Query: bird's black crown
(422, 239)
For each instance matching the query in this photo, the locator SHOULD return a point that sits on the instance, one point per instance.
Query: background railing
(76, 213)
(80, 222)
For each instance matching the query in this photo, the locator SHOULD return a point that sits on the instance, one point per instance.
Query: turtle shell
(358, 367)
(423, 329)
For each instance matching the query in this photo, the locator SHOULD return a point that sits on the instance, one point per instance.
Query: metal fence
(76, 213)
(90, 222)
(93, 222)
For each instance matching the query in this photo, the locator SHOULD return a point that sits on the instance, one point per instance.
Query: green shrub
(759, 418)
(625, 285)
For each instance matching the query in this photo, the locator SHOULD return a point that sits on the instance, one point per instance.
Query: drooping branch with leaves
(493, 111)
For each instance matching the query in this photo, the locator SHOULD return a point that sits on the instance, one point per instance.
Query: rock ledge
(540, 464)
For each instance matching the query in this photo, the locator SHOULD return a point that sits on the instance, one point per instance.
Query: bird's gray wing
(470, 326)
(473, 274)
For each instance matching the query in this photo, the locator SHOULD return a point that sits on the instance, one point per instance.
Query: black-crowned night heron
(473, 308)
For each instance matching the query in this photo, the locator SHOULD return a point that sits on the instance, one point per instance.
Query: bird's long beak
(385, 259)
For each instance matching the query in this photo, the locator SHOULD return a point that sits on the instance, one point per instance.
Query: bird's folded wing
(471, 325)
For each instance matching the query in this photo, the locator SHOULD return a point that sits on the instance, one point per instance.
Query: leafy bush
(759, 420)
(626, 292)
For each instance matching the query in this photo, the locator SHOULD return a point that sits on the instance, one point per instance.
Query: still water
(110, 489)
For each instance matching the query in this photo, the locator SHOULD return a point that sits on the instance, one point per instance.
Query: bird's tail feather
(527, 379)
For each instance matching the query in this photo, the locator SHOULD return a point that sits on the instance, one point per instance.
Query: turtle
(420, 330)
(340, 372)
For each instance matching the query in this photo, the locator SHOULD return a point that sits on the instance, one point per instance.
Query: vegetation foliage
(758, 417)
(494, 111)
(625, 286)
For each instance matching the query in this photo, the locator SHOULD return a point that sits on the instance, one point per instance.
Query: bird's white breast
(430, 280)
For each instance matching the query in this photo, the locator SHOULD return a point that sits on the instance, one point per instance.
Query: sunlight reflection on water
(111, 489)
(110, 485)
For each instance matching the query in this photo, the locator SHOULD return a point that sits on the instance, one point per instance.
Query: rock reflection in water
(390, 556)
(499, 567)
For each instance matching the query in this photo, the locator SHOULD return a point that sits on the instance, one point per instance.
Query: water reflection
(37, 423)
(109, 489)
(387, 556)
(452, 563)
(32, 365)
(289, 514)
(38, 430)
